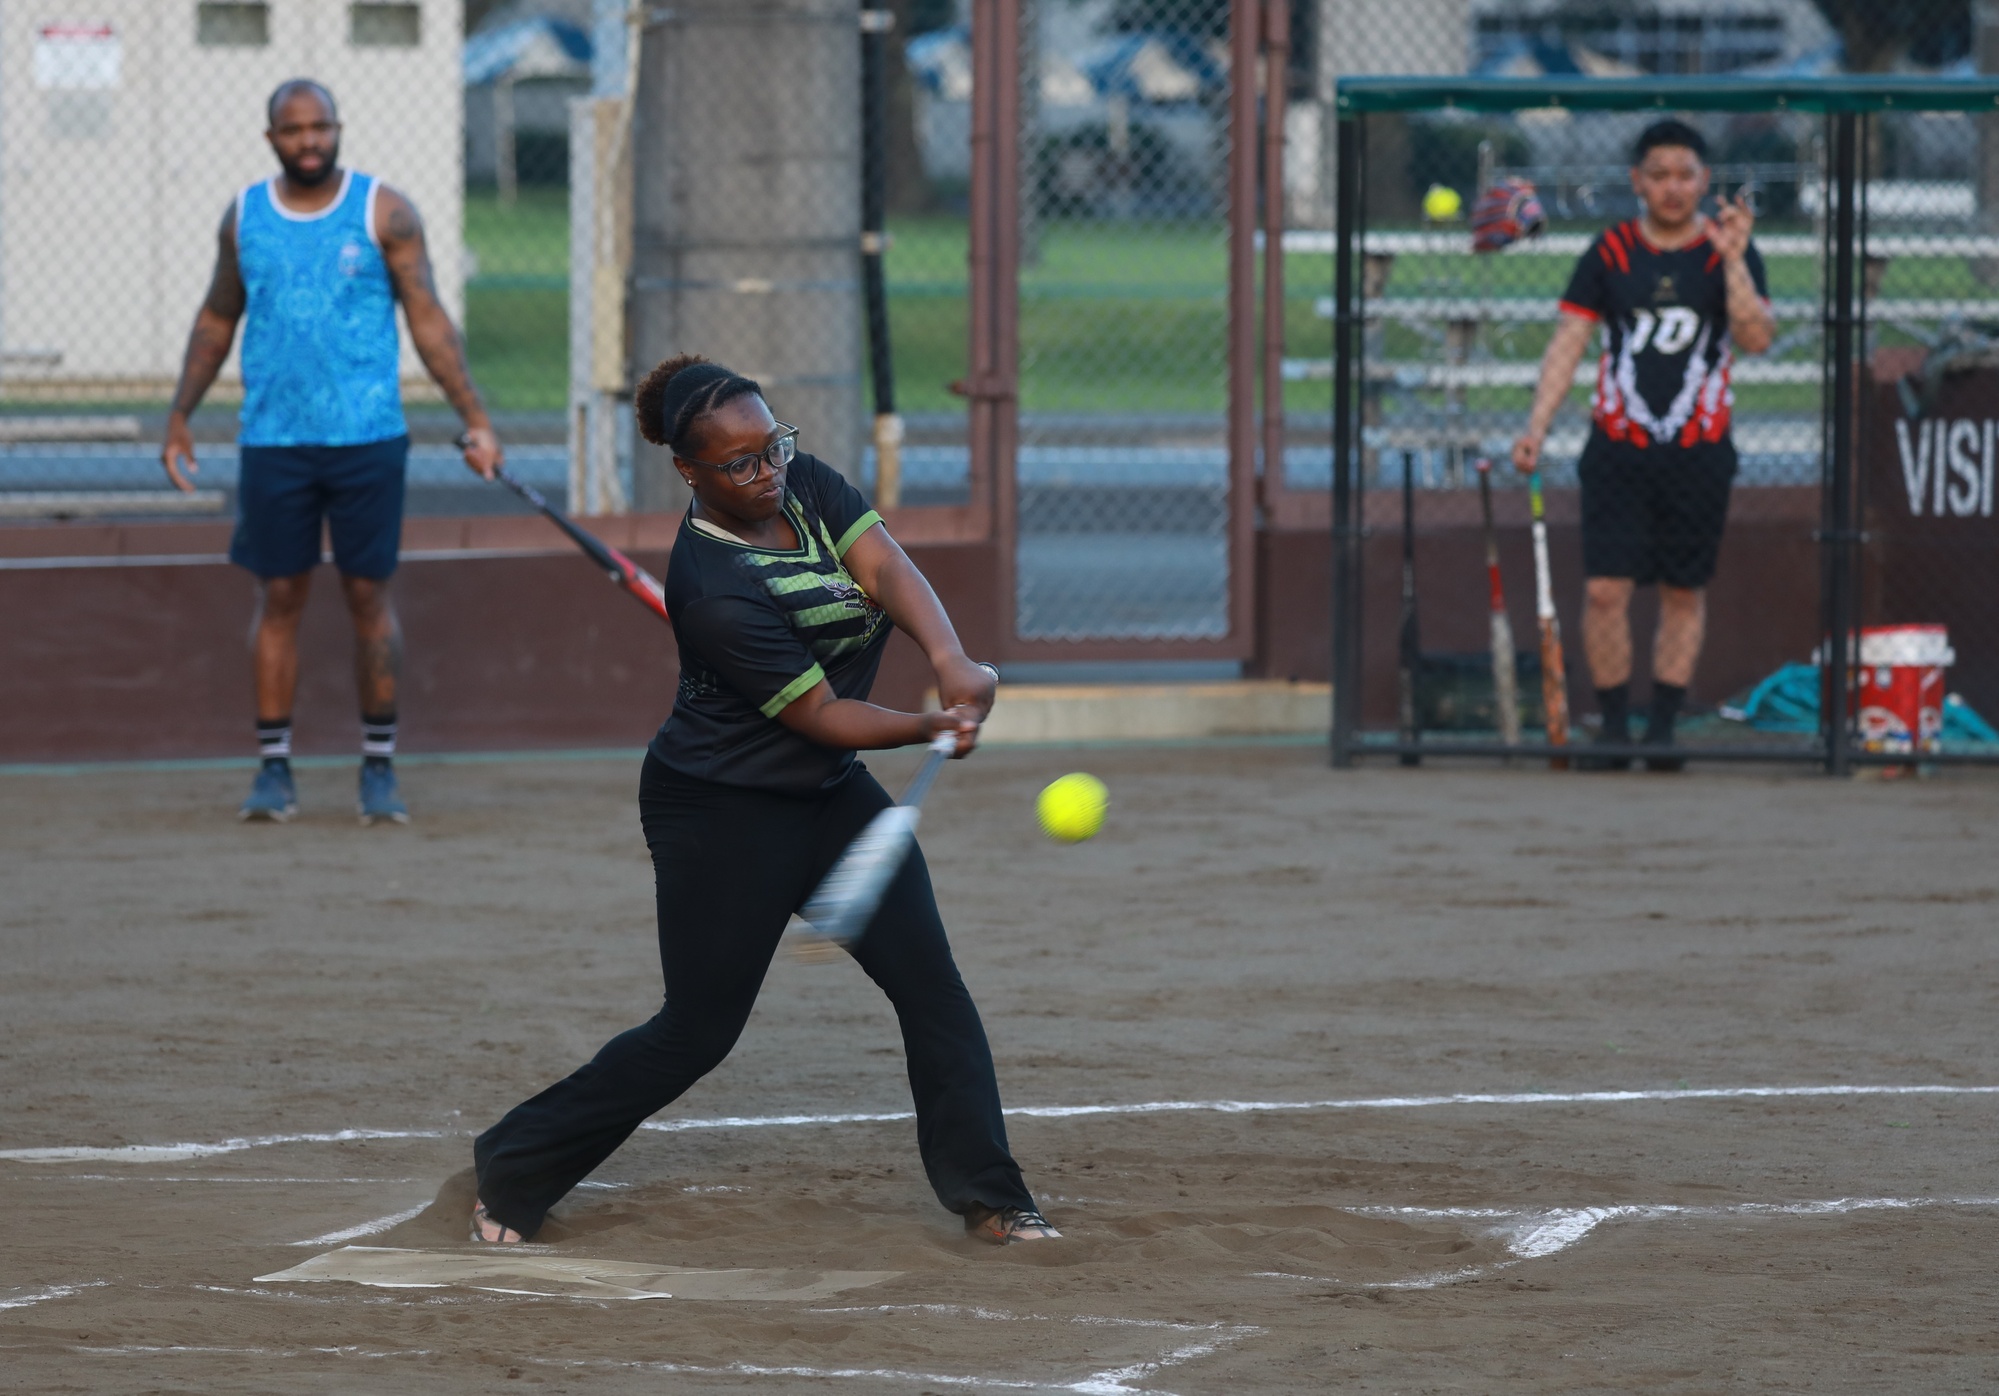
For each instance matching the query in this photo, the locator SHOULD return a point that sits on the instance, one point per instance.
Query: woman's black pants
(731, 866)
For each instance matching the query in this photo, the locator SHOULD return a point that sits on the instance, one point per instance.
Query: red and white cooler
(1898, 686)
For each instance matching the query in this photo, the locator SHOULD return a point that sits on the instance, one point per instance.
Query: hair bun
(670, 399)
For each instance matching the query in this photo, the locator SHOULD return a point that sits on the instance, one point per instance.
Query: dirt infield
(1443, 1080)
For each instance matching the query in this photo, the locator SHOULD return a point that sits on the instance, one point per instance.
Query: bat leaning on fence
(1505, 686)
(619, 568)
(1554, 677)
(1409, 649)
(875, 26)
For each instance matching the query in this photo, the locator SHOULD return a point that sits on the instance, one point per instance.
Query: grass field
(1115, 318)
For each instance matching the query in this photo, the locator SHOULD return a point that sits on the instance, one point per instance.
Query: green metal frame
(1848, 104)
(1833, 95)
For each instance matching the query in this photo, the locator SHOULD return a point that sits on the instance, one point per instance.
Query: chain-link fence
(1123, 467)
(1743, 432)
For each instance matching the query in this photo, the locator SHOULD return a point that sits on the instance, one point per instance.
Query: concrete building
(126, 126)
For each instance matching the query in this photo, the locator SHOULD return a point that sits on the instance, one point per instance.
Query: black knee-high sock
(1666, 700)
(1615, 705)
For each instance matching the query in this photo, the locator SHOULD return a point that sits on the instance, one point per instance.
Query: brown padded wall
(524, 652)
(501, 653)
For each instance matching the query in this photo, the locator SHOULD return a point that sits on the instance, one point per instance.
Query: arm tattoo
(436, 339)
(214, 324)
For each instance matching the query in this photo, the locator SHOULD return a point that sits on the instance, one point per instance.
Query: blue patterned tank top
(319, 337)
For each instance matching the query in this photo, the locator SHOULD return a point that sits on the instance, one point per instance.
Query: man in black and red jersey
(1675, 292)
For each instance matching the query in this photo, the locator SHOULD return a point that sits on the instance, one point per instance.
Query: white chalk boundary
(23, 1296)
(1113, 1381)
(177, 1153)
(1537, 1234)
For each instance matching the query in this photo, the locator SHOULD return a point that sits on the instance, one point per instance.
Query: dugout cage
(1863, 501)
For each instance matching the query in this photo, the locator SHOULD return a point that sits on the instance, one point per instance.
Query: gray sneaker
(379, 803)
(273, 796)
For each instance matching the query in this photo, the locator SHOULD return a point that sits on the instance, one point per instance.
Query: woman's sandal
(489, 1230)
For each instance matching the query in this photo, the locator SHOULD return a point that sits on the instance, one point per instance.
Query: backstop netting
(1752, 505)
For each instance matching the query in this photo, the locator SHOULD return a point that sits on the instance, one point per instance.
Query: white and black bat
(840, 910)
(1554, 676)
(1505, 686)
(847, 898)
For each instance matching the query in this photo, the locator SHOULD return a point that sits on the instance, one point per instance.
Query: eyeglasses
(744, 469)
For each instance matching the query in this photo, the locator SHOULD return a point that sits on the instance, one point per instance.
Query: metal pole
(1346, 325)
(994, 352)
(1244, 153)
(747, 213)
(1277, 68)
(1837, 535)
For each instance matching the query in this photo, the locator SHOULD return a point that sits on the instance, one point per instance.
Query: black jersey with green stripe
(758, 627)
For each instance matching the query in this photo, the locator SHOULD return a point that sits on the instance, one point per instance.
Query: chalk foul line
(366, 1228)
(1409, 1102)
(175, 1153)
(1537, 1234)
(1115, 1381)
(181, 1153)
(22, 1296)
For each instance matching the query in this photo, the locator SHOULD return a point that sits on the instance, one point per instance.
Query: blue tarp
(1788, 701)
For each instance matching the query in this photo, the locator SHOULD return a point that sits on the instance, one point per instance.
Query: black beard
(305, 179)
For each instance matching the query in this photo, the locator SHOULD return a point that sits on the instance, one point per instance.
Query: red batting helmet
(1507, 212)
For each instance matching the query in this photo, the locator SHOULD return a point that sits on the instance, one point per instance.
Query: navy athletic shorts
(1654, 513)
(284, 492)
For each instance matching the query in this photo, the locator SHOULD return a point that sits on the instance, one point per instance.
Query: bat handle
(944, 744)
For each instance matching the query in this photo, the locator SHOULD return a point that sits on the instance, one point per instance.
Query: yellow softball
(1072, 809)
(1441, 204)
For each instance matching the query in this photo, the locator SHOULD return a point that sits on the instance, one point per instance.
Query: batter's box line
(1114, 1381)
(985, 1315)
(177, 1153)
(1539, 1233)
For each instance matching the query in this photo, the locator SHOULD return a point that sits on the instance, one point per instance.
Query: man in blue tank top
(315, 260)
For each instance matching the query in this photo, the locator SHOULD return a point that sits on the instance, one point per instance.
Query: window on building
(371, 24)
(232, 25)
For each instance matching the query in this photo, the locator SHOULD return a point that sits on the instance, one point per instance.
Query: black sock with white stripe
(378, 735)
(274, 739)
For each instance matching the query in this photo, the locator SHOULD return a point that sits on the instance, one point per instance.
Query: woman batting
(783, 589)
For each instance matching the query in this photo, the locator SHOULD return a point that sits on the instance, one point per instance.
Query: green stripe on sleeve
(794, 690)
(861, 525)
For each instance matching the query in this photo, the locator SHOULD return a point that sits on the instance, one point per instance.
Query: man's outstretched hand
(1734, 220)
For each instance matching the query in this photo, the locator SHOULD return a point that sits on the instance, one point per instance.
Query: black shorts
(1654, 513)
(285, 493)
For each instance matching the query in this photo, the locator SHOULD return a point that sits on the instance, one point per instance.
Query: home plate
(576, 1277)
